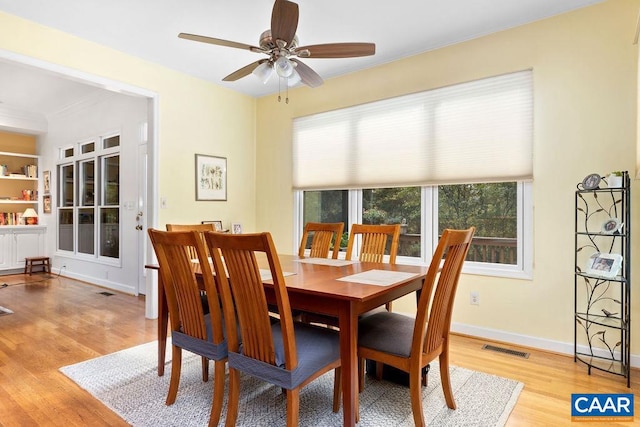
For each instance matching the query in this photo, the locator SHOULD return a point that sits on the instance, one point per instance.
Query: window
(109, 208)
(499, 211)
(89, 199)
(86, 210)
(446, 158)
(400, 205)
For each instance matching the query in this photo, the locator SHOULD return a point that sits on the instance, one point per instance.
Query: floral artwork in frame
(211, 177)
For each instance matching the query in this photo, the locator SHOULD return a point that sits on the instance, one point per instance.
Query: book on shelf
(10, 218)
(31, 171)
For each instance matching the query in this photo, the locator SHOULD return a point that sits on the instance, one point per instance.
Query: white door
(141, 218)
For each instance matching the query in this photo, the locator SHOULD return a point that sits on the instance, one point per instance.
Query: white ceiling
(148, 29)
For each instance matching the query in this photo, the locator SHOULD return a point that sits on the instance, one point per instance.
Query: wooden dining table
(321, 286)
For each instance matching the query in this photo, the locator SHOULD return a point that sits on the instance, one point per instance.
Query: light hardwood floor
(59, 321)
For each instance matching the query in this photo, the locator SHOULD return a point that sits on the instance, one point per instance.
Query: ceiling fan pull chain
(279, 87)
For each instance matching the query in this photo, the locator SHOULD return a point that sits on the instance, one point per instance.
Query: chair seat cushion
(201, 347)
(388, 332)
(316, 348)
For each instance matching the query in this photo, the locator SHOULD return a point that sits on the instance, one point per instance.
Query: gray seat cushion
(201, 347)
(388, 332)
(317, 347)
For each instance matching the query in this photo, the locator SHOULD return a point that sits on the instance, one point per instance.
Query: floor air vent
(506, 351)
(106, 294)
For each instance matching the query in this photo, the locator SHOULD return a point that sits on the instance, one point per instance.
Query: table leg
(348, 323)
(163, 323)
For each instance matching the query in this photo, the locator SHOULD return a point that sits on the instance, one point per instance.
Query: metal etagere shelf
(602, 279)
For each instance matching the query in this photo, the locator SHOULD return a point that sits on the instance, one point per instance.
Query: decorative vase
(614, 181)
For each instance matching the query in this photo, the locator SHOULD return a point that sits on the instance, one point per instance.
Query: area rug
(127, 382)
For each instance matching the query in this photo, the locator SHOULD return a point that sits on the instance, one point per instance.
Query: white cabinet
(20, 242)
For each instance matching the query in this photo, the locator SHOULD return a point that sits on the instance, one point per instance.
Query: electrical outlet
(474, 298)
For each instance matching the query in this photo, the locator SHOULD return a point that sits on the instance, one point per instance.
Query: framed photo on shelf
(236, 228)
(604, 265)
(46, 182)
(591, 181)
(217, 225)
(611, 226)
(211, 177)
(46, 203)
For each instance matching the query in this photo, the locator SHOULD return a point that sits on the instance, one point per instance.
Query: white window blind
(480, 131)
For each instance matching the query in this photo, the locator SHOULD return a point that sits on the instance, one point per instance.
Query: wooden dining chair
(191, 328)
(323, 234)
(200, 228)
(286, 354)
(375, 239)
(411, 344)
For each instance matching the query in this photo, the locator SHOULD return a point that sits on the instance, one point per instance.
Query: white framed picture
(591, 181)
(211, 177)
(236, 228)
(611, 226)
(604, 265)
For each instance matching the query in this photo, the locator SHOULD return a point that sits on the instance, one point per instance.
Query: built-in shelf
(19, 182)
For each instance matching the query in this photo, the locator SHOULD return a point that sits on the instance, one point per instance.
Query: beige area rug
(127, 382)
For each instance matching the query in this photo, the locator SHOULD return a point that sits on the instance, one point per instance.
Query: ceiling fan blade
(243, 72)
(219, 42)
(307, 75)
(284, 21)
(337, 50)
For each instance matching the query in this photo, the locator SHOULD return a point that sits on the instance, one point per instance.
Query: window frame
(523, 269)
(75, 156)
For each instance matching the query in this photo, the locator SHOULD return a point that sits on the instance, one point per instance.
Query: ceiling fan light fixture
(263, 72)
(294, 79)
(284, 67)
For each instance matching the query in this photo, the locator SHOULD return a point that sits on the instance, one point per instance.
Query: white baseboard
(99, 282)
(524, 340)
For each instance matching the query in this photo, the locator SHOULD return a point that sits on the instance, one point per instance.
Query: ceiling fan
(280, 44)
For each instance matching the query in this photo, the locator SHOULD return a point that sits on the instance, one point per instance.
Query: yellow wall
(584, 66)
(194, 117)
(17, 143)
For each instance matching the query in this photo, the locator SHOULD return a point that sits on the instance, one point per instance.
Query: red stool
(39, 261)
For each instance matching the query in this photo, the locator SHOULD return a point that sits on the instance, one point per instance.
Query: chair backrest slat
(323, 234)
(374, 241)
